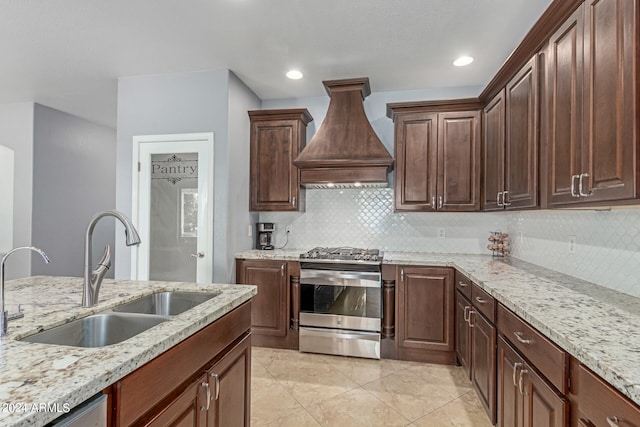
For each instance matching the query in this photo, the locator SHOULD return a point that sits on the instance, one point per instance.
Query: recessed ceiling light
(294, 74)
(462, 61)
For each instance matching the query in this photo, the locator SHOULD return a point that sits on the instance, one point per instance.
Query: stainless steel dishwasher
(90, 413)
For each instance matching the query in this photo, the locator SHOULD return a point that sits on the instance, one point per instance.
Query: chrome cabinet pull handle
(206, 386)
(217, 382)
(433, 203)
(293, 200)
(520, 339)
(462, 284)
(198, 255)
(504, 199)
(402, 274)
(573, 186)
(471, 324)
(282, 270)
(440, 202)
(498, 198)
(516, 368)
(614, 421)
(523, 372)
(481, 300)
(466, 313)
(580, 185)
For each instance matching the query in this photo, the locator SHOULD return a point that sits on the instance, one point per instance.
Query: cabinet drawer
(548, 358)
(601, 404)
(483, 302)
(463, 284)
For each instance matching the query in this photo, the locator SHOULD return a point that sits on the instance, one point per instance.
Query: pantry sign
(174, 169)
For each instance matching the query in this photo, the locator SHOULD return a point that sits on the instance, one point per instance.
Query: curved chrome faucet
(4, 315)
(93, 279)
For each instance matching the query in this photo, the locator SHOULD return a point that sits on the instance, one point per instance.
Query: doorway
(173, 207)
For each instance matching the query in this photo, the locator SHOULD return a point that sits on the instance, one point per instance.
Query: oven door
(341, 299)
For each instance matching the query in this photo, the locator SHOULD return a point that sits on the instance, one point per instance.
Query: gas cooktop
(343, 254)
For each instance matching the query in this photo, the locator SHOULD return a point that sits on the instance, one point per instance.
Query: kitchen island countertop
(598, 326)
(38, 381)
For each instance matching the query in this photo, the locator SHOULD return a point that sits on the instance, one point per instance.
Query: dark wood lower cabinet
(187, 410)
(230, 388)
(599, 403)
(272, 312)
(476, 343)
(425, 307)
(483, 361)
(510, 404)
(220, 398)
(525, 399)
(180, 388)
(463, 333)
(543, 405)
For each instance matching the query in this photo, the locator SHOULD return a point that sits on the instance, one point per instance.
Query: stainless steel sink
(97, 330)
(165, 303)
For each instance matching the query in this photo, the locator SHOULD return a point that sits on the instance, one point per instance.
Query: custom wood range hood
(345, 152)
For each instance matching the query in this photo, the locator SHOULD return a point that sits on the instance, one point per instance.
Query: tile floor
(290, 388)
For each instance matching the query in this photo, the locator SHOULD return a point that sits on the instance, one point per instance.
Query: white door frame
(193, 142)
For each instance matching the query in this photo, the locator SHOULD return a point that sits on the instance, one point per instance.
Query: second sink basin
(165, 303)
(97, 330)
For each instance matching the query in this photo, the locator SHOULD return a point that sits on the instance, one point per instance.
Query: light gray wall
(73, 179)
(241, 100)
(167, 104)
(16, 132)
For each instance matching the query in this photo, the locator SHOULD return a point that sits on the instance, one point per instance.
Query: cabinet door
(610, 157)
(494, 134)
(463, 333)
(521, 153)
(483, 355)
(277, 137)
(416, 152)
(510, 402)
(602, 405)
(187, 410)
(269, 308)
(230, 385)
(563, 93)
(426, 308)
(458, 184)
(543, 406)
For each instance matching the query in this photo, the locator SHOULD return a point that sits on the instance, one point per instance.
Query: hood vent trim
(345, 151)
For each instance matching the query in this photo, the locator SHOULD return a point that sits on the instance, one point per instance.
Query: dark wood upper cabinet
(564, 109)
(521, 142)
(437, 159)
(493, 165)
(591, 143)
(277, 137)
(510, 173)
(416, 151)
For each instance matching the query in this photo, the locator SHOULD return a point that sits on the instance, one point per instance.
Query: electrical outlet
(250, 231)
(572, 244)
(441, 233)
(289, 229)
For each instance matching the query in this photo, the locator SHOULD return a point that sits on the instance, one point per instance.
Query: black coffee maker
(264, 232)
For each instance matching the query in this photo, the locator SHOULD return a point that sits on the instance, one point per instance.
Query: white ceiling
(68, 54)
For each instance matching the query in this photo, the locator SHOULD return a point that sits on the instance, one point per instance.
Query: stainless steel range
(341, 301)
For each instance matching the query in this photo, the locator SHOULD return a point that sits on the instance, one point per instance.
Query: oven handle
(341, 278)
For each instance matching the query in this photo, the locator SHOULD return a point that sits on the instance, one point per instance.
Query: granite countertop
(35, 375)
(598, 326)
